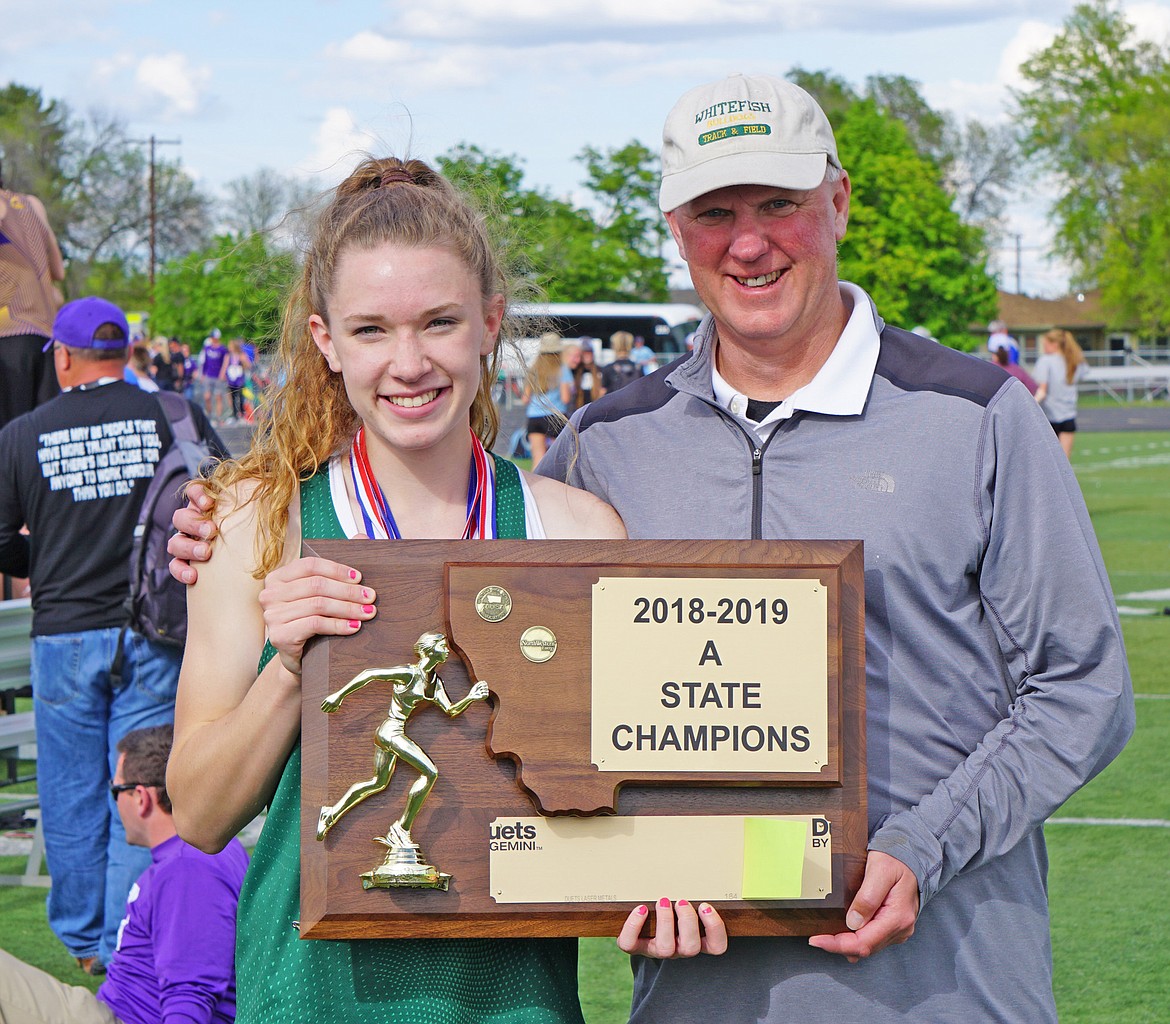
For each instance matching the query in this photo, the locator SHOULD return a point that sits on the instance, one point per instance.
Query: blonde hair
(1071, 352)
(308, 418)
(546, 372)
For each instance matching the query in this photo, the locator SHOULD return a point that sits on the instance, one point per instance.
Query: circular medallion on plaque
(538, 643)
(493, 604)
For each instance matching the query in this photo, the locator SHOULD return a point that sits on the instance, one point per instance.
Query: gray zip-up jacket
(996, 679)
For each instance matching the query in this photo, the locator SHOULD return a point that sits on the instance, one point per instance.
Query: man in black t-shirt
(75, 470)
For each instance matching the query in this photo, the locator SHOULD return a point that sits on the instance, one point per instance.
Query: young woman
(1057, 372)
(381, 427)
(548, 395)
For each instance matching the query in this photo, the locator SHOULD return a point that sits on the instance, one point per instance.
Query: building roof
(1023, 313)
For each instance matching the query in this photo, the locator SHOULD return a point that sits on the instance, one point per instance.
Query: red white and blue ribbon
(377, 517)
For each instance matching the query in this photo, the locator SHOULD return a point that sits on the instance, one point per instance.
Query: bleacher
(18, 732)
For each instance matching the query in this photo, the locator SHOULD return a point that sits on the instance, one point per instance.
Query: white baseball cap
(744, 130)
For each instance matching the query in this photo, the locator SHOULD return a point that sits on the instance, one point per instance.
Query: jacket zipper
(757, 449)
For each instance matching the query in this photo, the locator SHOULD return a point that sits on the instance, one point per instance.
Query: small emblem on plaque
(538, 643)
(493, 604)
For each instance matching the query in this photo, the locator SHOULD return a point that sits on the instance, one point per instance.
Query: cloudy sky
(302, 85)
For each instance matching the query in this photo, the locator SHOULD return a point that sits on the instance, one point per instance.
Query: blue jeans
(80, 718)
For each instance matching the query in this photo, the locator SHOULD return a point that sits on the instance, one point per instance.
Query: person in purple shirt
(213, 373)
(175, 959)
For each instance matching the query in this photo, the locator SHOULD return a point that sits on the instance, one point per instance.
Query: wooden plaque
(553, 778)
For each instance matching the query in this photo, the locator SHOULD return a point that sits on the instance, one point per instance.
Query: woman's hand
(312, 597)
(679, 931)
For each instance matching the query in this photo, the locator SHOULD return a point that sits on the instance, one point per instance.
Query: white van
(664, 326)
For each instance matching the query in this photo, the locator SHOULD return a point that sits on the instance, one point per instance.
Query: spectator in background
(213, 375)
(998, 338)
(1057, 371)
(175, 959)
(1000, 358)
(585, 376)
(623, 369)
(30, 269)
(190, 371)
(547, 394)
(76, 470)
(236, 374)
(642, 356)
(164, 371)
(139, 366)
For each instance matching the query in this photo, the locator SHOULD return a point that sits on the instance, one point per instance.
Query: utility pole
(152, 142)
(1019, 274)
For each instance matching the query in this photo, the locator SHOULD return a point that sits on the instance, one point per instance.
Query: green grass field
(1110, 847)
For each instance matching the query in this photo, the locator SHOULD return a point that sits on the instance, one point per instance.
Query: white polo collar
(840, 387)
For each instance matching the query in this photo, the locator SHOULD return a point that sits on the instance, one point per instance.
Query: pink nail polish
(365, 594)
(683, 903)
(354, 624)
(368, 609)
(708, 910)
(642, 910)
(353, 574)
(664, 903)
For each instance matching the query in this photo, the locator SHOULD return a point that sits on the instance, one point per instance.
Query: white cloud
(339, 144)
(172, 78)
(536, 21)
(371, 46)
(415, 70)
(1151, 22)
(1030, 38)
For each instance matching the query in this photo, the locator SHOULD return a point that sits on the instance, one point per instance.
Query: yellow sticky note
(773, 858)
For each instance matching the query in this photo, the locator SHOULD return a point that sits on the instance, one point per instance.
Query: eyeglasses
(118, 788)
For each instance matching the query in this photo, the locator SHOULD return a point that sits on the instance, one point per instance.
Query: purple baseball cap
(77, 323)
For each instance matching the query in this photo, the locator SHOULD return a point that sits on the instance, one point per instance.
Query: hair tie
(395, 175)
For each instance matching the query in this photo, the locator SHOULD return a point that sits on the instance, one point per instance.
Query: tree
(236, 284)
(1093, 116)
(110, 187)
(976, 162)
(94, 182)
(905, 245)
(563, 252)
(266, 201)
(624, 182)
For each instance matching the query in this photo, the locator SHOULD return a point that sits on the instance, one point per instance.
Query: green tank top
(282, 979)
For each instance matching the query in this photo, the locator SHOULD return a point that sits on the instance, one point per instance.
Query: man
(30, 268)
(996, 681)
(996, 678)
(75, 470)
(998, 338)
(175, 961)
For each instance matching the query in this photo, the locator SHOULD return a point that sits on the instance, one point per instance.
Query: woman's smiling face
(406, 327)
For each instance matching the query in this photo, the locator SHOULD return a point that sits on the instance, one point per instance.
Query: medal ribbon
(377, 517)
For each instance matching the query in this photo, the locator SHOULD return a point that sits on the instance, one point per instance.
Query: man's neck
(776, 370)
(91, 373)
(160, 827)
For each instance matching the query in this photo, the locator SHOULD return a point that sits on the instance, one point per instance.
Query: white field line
(1112, 822)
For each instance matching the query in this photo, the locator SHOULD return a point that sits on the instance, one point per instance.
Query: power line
(152, 142)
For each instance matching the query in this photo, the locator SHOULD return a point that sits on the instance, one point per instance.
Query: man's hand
(882, 913)
(193, 541)
(678, 932)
